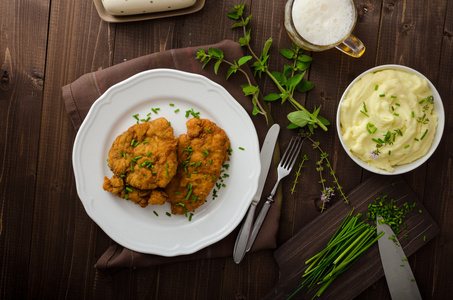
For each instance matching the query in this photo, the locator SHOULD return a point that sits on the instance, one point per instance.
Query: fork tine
(291, 152)
(288, 150)
(295, 153)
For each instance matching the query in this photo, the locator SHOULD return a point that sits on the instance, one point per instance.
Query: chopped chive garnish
(145, 142)
(123, 154)
(166, 171)
(382, 95)
(364, 107)
(426, 131)
(412, 114)
(205, 153)
(132, 142)
(168, 214)
(396, 114)
(364, 113)
(190, 217)
(390, 152)
(122, 175)
(415, 139)
(150, 152)
(241, 148)
(208, 130)
(397, 104)
(394, 98)
(376, 87)
(136, 117)
(176, 110)
(407, 146)
(155, 213)
(171, 104)
(128, 189)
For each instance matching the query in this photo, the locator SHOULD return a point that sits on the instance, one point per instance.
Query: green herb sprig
(287, 82)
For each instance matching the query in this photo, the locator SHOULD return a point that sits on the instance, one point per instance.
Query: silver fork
(284, 168)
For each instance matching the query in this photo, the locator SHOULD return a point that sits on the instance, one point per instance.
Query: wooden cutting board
(291, 256)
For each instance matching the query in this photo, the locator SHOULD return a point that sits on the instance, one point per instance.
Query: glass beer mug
(318, 25)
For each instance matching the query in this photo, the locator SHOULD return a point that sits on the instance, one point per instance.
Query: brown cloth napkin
(80, 95)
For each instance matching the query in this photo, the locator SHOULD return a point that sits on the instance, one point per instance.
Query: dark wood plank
(64, 237)
(22, 65)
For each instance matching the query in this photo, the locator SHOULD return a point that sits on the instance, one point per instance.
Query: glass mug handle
(352, 46)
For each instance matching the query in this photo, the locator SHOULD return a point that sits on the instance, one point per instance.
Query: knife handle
(257, 226)
(244, 234)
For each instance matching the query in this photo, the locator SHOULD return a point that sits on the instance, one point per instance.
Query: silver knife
(398, 273)
(267, 151)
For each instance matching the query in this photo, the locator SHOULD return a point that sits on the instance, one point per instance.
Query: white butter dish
(136, 7)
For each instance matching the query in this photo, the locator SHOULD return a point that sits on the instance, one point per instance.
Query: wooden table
(49, 245)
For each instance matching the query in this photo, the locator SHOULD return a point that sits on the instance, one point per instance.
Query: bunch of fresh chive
(346, 246)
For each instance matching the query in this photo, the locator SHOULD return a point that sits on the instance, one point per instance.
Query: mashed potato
(387, 118)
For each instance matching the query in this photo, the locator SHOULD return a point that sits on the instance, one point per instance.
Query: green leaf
(294, 81)
(292, 126)
(305, 58)
(289, 54)
(249, 89)
(230, 71)
(243, 41)
(316, 112)
(247, 20)
(236, 25)
(271, 97)
(304, 86)
(217, 65)
(266, 48)
(324, 120)
(302, 66)
(299, 118)
(217, 53)
(244, 59)
(255, 110)
(280, 77)
(233, 15)
(287, 70)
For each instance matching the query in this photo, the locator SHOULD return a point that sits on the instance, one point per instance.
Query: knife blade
(398, 273)
(267, 151)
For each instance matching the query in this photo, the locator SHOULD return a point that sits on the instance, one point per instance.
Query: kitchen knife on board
(398, 273)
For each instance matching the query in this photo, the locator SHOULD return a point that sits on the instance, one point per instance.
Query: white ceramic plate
(137, 228)
(438, 107)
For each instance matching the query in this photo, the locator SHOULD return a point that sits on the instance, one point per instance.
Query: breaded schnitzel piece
(145, 154)
(201, 154)
(118, 187)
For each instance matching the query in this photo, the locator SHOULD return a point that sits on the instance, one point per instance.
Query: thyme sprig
(298, 173)
(287, 82)
(324, 159)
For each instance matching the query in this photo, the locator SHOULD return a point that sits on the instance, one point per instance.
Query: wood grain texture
(22, 65)
(49, 245)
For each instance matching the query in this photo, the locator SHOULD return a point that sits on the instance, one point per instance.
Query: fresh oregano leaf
(289, 54)
(271, 97)
(279, 77)
(305, 58)
(244, 59)
(304, 86)
(299, 118)
(292, 82)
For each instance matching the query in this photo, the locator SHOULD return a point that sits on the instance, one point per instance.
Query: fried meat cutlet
(145, 155)
(201, 154)
(117, 186)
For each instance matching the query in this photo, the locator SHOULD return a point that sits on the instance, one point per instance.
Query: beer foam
(323, 22)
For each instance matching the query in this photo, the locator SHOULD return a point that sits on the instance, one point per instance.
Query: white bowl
(438, 108)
